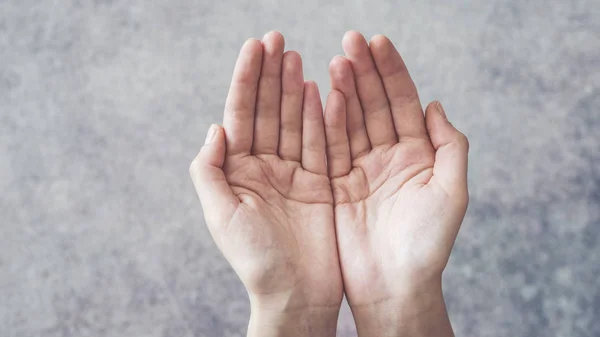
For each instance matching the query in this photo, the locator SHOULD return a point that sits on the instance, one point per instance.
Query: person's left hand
(400, 188)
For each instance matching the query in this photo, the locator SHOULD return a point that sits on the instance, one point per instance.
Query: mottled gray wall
(104, 103)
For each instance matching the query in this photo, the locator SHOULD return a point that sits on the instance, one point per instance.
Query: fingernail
(212, 131)
(440, 109)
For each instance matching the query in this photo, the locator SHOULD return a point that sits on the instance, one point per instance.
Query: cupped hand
(399, 181)
(262, 181)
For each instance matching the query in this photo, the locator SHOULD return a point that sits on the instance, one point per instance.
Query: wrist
(273, 322)
(415, 310)
(292, 314)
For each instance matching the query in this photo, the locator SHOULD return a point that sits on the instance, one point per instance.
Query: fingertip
(431, 107)
(212, 152)
(311, 87)
(386, 55)
(210, 135)
(435, 111)
(218, 136)
(336, 97)
(292, 62)
(379, 40)
(342, 76)
(292, 56)
(441, 131)
(433, 120)
(312, 106)
(249, 58)
(219, 131)
(273, 36)
(214, 135)
(273, 44)
(353, 36)
(312, 99)
(380, 46)
(252, 45)
(351, 40)
(338, 64)
(335, 109)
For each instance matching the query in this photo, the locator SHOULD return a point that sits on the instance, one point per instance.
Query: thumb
(452, 149)
(217, 199)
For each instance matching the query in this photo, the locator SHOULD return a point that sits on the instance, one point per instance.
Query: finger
(401, 91)
(338, 147)
(290, 128)
(239, 107)
(313, 131)
(266, 124)
(342, 79)
(218, 201)
(375, 106)
(452, 149)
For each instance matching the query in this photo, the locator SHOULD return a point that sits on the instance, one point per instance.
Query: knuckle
(405, 99)
(294, 127)
(238, 112)
(313, 147)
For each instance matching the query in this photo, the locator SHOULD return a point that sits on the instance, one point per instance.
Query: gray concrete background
(104, 103)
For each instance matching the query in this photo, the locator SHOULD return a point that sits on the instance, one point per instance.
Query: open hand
(262, 181)
(399, 181)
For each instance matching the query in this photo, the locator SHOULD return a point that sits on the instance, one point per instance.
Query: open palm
(398, 177)
(263, 182)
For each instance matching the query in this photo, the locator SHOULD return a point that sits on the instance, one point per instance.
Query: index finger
(238, 120)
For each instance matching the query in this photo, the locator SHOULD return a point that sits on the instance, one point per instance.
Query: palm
(283, 224)
(379, 174)
(390, 200)
(279, 183)
(396, 178)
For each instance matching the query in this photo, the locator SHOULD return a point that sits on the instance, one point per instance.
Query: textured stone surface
(104, 103)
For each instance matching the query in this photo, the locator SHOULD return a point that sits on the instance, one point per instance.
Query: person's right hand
(262, 181)
(399, 182)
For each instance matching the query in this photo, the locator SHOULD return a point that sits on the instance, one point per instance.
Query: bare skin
(262, 181)
(400, 190)
(367, 199)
